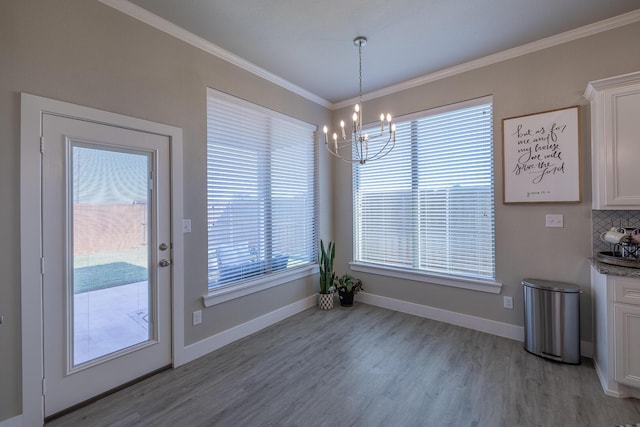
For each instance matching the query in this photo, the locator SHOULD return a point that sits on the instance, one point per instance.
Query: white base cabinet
(616, 328)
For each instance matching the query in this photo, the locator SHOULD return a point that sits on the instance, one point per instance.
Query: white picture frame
(541, 157)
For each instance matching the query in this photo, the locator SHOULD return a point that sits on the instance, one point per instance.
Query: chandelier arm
(345, 159)
(342, 146)
(350, 159)
(379, 156)
(384, 149)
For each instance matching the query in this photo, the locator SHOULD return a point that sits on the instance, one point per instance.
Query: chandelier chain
(360, 71)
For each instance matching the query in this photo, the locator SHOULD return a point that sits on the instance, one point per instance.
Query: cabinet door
(627, 344)
(626, 290)
(621, 138)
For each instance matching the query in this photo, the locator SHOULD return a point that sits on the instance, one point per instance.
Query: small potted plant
(347, 287)
(327, 276)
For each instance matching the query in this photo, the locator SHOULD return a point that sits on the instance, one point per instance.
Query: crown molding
(162, 24)
(578, 33)
(610, 82)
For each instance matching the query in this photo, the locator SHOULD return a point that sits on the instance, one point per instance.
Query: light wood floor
(364, 366)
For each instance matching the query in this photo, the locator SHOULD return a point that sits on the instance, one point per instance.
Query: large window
(428, 206)
(261, 191)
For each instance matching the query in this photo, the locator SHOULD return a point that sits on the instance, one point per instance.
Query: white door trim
(32, 108)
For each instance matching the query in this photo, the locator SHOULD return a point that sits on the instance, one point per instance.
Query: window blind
(429, 205)
(261, 191)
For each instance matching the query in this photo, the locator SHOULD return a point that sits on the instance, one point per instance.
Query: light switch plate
(186, 226)
(197, 317)
(507, 302)
(555, 220)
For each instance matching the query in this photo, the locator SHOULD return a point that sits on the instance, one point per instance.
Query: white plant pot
(325, 301)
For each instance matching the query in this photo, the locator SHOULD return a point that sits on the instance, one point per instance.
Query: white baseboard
(493, 327)
(12, 422)
(604, 382)
(601, 378)
(616, 389)
(214, 342)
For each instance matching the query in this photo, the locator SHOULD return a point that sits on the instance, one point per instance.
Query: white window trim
(237, 290)
(473, 284)
(487, 99)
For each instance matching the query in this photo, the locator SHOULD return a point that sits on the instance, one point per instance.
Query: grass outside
(92, 278)
(94, 271)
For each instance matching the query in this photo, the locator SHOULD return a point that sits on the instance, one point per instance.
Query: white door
(106, 258)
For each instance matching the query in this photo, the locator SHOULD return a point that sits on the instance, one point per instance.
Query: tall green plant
(327, 276)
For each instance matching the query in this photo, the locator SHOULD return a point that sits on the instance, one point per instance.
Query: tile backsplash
(604, 220)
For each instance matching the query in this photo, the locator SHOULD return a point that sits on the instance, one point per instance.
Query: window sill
(230, 292)
(453, 281)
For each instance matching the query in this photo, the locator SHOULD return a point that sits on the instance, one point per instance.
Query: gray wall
(89, 54)
(545, 80)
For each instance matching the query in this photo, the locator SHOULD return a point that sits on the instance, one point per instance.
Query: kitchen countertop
(614, 270)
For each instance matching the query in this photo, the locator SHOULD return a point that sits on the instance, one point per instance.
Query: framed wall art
(541, 157)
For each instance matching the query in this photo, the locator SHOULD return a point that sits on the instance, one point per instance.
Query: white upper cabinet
(615, 141)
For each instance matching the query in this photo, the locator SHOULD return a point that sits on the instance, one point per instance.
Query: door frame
(31, 266)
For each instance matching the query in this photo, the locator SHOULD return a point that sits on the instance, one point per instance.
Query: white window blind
(261, 191)
(429, 205)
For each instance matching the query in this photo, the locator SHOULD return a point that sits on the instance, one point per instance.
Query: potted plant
(348, 286)
(327, 275)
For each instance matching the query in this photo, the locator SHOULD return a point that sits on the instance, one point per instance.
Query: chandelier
(360, 147)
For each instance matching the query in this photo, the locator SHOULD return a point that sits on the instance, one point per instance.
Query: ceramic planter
(346, 298)
(325, 301)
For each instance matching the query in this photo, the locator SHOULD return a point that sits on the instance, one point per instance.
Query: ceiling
(309, 44)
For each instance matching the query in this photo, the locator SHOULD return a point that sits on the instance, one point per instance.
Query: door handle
(164, 263)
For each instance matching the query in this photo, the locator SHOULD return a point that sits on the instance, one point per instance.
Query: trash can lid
(551, 285)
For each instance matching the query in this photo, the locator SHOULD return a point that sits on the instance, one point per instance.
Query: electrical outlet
(555, 220)
(507, 302)
(186, 226)
(197, 317)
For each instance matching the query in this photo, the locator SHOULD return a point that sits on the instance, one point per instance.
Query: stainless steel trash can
(552, 320)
